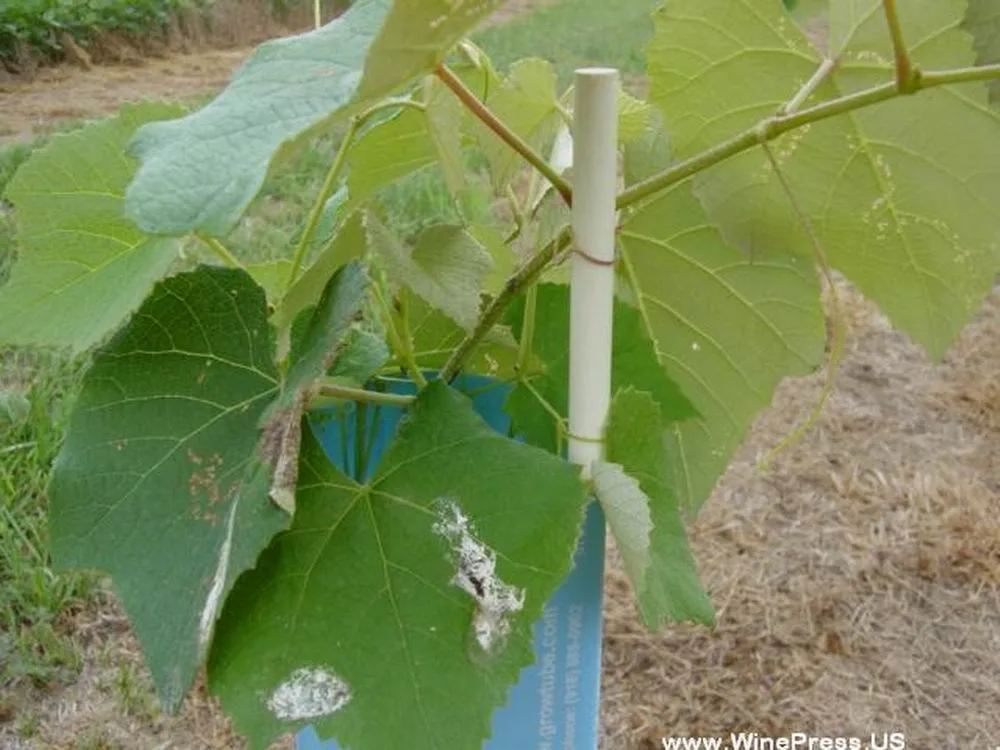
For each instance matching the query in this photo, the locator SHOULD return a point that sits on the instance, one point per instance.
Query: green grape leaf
(649, 153)
(527, 103)
(392, 149)
(644, 515)
(349, 243)
(320, 345)
(365, 354)
(634, 363)
(983, 20)
(271, 277)
(329, 219)
(417, 37)
(897, 202)
(435, 336)
(83, 266)
(446, 267)
(728, 329)
(367, 606)
(635, 117)
(161, 482)
(200, 173)
(445, 115)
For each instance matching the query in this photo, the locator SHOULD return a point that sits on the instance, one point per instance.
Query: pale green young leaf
(435, 336)
(445, 115)
(417, 36)
(634, 364)
(527, 104)
(648, 154)
(82, 265)
(349, 243)
(898, 203)
(635, 117)
(504, 257)
(388, 151)
(365, 353)
(644, 515)
(983, 20)
(200, 173)
(162, 482)
(364, 592)
(446, 267)
(330, 219)
(728, 329)
(271, 277)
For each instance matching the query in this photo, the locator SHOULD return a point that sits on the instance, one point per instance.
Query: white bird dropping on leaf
(477, 576)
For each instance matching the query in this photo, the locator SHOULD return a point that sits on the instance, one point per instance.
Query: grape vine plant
(769, 154)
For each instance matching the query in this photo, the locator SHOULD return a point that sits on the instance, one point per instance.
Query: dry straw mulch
(858, 581)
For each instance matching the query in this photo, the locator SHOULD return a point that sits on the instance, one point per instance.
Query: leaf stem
(221, 251)
(907, 74)
(316, 212)
(332, 176)
(776, 125)
(335, 390)
(508, 136)
(524, 276)
(823, 72)
(404, 354)
(837, 346)
(406, 337)
(527, 329)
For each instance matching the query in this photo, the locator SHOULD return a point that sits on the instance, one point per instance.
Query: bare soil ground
(857, 581)
(69, 94)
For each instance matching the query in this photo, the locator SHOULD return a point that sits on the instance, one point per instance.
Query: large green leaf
(644, 515)
(160, 482)
(447, 267)
(634, 363)
(403, 607)
(200, 173)
(983, 20)
(728, 328)
(898, 202)
(83, 266)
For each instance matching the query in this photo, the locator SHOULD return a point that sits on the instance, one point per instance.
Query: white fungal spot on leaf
(214, 599)
(476, 575)
(309, 693)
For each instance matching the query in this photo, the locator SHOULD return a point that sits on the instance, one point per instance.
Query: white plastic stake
(595, 170)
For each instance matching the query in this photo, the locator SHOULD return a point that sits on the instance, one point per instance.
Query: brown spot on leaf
(203, 487)
(280, 442)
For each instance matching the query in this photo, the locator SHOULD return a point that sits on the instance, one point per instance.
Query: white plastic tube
(595, 169)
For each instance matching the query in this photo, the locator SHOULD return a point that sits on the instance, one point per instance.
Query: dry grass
(858, 582)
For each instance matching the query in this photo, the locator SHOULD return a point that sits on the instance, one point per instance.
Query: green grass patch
(576, 33)
(37, 389)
